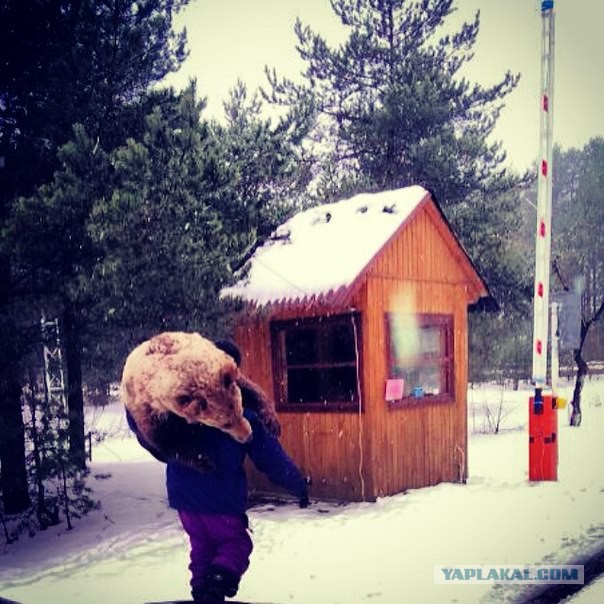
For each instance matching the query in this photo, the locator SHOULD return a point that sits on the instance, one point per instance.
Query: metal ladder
(55, 416)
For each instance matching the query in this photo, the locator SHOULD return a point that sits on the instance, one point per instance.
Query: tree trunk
(75, 396)
(13, 476)
(582, 369)
(575, 416)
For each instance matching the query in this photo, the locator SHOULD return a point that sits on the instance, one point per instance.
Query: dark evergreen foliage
(164, 247)
(392, 105)
(267, 169)
(75, 61)
(64, 63)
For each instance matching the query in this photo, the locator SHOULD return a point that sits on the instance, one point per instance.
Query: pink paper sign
(395, 389)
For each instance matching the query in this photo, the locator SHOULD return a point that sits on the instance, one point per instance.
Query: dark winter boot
(219, 583)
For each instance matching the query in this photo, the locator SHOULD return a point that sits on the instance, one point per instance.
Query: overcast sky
(231, 39)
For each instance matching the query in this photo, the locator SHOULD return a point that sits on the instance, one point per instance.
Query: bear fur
(175, 381)
(252, 396)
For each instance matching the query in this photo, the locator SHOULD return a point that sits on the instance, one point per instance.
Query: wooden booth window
(421, 353)
(315, 363)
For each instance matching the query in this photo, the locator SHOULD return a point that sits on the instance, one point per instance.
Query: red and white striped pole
(544, 200)
(543, 446)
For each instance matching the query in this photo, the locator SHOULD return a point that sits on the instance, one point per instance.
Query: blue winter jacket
(224, 490)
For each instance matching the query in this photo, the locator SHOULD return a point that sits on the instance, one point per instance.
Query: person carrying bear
(212, 503)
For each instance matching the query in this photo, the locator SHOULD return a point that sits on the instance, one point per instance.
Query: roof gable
(325, 253)
(325, 248)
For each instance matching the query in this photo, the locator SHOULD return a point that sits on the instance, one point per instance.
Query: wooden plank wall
(353, 456)
(328, 447)
(425, 443)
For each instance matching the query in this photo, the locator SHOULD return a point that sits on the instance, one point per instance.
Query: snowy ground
(133, 550)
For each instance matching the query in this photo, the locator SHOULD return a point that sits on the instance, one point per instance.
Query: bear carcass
(175, 381)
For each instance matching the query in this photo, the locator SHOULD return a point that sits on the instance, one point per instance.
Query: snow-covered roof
(325, 248)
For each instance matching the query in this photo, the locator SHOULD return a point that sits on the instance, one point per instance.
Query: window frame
(278, 329)
(446, 361)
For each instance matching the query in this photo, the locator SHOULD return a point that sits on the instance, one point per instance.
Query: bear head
(187, 375)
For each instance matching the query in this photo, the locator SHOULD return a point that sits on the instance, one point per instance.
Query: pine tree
(75, 61)
(165, 250)
(64, 62)
(55, 253)
(392, 105)
(267, 169)
(13, 471)
(499, 232)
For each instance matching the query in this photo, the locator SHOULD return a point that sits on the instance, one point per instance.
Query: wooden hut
(355, 321)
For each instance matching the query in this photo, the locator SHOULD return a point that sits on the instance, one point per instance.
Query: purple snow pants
(216, 540)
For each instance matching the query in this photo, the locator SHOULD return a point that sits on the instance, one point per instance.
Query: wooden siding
(424, 442)
(383, 450)
(327, 446)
